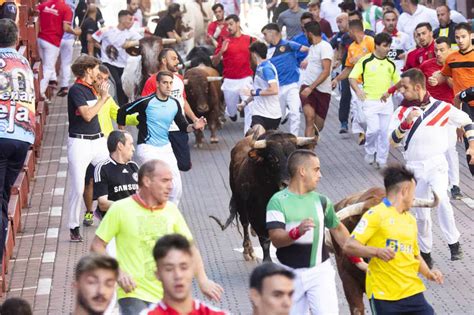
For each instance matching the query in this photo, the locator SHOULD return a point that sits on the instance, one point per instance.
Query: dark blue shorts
(412, 305)
(179, 143)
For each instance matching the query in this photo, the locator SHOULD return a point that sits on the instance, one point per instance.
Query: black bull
(256, 172)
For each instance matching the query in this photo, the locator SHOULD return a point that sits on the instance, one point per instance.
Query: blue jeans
(412, 305)
(132, 306)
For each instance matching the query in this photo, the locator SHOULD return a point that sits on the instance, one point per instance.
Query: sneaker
(456, 252)
(427, 258)
(99, 214)
(53, 83)
(75, 235)
(344, 128)
(456, 193)
(369, 159)
(62, 92)
(233, 118)
(361, 140)
(88, 219)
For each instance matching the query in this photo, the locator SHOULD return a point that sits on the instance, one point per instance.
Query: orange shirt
(357, 51)
(460, 67)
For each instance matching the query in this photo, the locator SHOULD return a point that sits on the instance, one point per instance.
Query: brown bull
(203, 92)
(350, 210)
(257, 171)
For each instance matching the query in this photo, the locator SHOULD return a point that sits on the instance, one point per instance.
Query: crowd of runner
(404, 72)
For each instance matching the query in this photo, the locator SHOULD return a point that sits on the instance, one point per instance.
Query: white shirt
(457, 17)
(431, 138)
(177, 91)
(407, 23)
(138, 19)
(265, 106)
(111, 40)
(317, 53)
(329, 11)
(401, 43)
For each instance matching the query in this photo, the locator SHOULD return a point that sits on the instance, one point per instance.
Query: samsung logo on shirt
(126, 187)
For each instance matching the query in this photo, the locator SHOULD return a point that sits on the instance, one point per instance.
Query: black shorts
(89, 174)
(179, 143)
(415, 304)
(267, 123)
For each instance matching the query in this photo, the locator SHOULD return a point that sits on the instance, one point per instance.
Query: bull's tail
(232, 216)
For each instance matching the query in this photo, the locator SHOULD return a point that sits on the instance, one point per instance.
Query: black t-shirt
(165, 25)
(81, 11)
(88, 27)
(81, 95)
(117, 181)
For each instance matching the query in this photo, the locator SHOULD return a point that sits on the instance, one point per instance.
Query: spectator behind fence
(15, 306)
(94, 283)
(175, 269)
(17, 121)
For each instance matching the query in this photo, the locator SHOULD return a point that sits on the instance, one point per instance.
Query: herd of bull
(257, 168)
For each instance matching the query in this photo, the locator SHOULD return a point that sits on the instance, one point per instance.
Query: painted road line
(44, 286)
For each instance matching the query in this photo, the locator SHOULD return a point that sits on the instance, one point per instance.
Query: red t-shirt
(199, 308)
(416, 57)
(236, 59)
(52, 15)
(211, 29)
(440, 92)
(150, 86)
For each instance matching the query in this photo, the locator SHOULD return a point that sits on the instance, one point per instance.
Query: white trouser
(432, 174)
(290, 103)
(80, 153)
(377, 116)
(358, 117)
(49, 55)
(65, 51)
(315, 288)
(232, 89)
(453, 158)
(147, 152)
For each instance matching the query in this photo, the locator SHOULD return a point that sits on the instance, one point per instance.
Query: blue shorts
(412, 305)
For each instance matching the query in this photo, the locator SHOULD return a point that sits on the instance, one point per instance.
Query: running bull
(258, 170)
(349, 210)
(203, 92)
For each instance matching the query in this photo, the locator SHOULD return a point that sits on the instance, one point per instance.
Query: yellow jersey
(108, 112)
(383, 226)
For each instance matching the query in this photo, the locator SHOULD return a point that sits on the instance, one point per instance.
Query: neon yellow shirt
(108, 112)
(378, 75)
(384, 226)
(136, 230)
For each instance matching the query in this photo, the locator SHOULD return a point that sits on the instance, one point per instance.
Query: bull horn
(426, 203)
(301, 141)
(168, 41)
(349, 211)
(185, 81)
(259, 144)
(212, 79)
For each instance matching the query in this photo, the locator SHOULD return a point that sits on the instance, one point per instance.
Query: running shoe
(361, 140)
(62, 92)
(88, 219)
(456, 193)
(233, 118)
(456, 252)
(75, 235)
(344, 128)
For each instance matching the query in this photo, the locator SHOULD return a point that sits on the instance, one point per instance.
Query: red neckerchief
(394, 33)
(418, 103)
(142, 203)
(82, 82)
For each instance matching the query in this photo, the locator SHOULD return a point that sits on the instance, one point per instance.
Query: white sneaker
(369, 159)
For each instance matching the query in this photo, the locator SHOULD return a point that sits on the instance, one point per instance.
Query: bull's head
(197, 84)
(272, 150)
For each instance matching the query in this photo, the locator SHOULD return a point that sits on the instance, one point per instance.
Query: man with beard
(460, 66)
(424, 36)
(134, 7)
(235, 55)
(400, 41)
(175, 268)
(446, 25)
(421, 125)
(169, 61)
(217, 30)
(94, 284)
